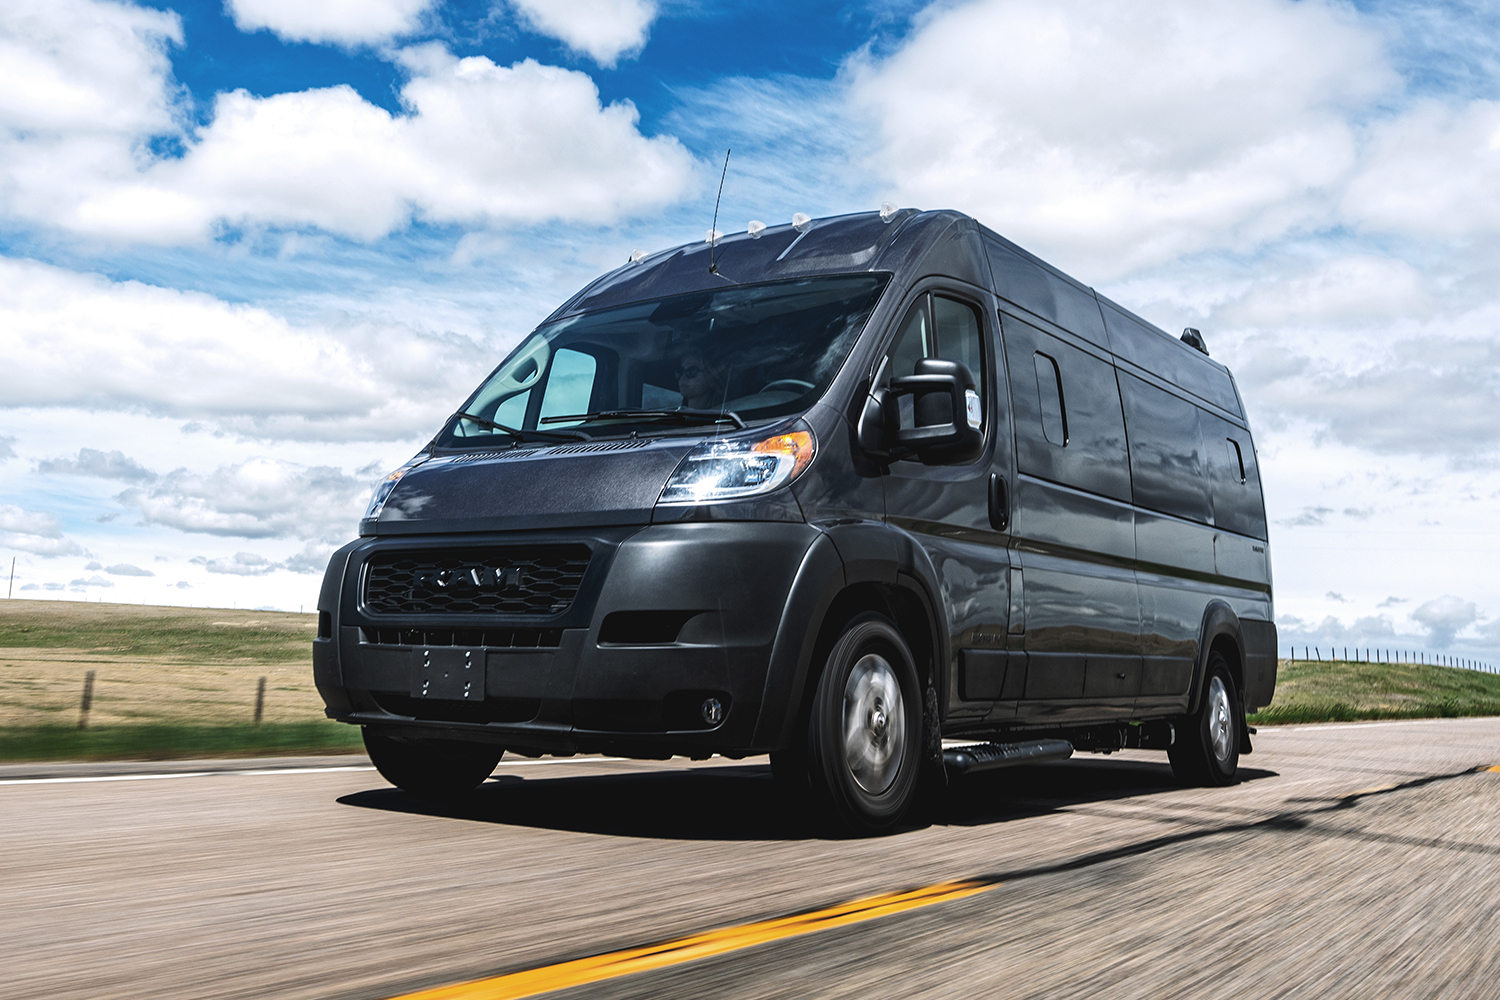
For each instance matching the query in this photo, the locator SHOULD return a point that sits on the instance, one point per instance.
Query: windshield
(726, 357)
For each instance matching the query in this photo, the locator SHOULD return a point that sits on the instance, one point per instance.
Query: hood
(587, 484)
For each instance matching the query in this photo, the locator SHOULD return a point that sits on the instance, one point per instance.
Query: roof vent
(1194, 339)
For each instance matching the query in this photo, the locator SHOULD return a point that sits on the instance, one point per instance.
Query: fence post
(260, 700)
(88, 700)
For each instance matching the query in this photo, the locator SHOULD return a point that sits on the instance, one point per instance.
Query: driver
(700, 381)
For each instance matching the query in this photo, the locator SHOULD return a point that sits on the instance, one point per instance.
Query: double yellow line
(695, 947)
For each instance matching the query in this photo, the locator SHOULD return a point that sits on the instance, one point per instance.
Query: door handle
(999, 503)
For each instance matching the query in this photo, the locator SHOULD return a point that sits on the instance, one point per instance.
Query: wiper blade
(520, 435)
(683, 416)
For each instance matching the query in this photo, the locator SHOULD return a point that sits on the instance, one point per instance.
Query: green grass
(203, 634)
(156, 741)
(1341, 691)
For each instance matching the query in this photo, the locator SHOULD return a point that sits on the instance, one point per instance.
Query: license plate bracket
(447, 674)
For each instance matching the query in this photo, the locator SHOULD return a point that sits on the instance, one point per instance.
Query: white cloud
(82, 83)
(94, 581)
(243, 564)
(126, 569)
(1431, 171)
(259, 498)
(1119, 135)
(7, 447)
(99, 464)
(1444, 618)
(344, 22)
(603, 29)
(83, 341)
(477, 144)
(34, 531)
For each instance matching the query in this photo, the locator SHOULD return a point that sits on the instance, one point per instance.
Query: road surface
(1358, 860)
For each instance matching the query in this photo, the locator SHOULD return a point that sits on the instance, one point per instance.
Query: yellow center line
(694, 947)
(1496, 767)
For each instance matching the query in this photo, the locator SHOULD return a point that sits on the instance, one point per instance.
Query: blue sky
(252, 251)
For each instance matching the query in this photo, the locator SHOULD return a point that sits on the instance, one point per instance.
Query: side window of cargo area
(939, 327)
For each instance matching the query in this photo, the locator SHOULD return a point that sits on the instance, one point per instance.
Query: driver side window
(937, 326)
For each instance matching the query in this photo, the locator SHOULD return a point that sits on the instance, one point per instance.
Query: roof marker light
(755, 228)
(887, 211)
(712, 237)
(801, 222)
(636, 255)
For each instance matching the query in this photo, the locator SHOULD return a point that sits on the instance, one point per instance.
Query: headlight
(383, 491)
(734, 468)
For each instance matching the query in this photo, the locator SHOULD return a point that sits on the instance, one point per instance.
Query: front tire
(864, 742)
(1207, 748)
(432, 770)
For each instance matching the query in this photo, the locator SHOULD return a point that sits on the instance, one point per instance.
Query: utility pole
(12, 589)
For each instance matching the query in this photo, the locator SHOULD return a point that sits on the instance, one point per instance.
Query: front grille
(495, 638)
(534, 580)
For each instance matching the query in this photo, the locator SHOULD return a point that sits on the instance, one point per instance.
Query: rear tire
(431, 769)
(1207, 748)
(864, 741)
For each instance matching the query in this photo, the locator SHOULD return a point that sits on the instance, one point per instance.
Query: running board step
(987, 756)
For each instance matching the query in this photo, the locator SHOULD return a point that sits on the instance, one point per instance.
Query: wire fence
(1314, 654)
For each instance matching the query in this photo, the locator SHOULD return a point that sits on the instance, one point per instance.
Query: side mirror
(946, 415)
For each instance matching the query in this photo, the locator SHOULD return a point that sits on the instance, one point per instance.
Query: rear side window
(1167, 453)
(1069, 428)
(1233, 479)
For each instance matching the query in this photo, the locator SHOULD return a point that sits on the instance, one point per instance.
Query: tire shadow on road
(741, 802)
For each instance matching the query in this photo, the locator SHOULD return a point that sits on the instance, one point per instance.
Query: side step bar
(988, 756)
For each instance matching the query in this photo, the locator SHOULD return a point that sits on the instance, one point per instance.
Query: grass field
(168, 682)
(1340, 691)
(180, 682)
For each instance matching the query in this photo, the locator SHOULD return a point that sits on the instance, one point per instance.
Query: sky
(253, 251)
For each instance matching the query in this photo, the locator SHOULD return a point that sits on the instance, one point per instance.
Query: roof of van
(867, 241)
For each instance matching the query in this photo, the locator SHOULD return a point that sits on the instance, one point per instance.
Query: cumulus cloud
(34, 531)
(605, 30)
(1431, 170)
(183, 585)
(94, 581)
(343, 22)
(126, 569)
(1119, 135)
(312, 559)
(7, 447)
(99, 464)
(187, 354)
(476, 144)
(243, 564)
(1444, 618)
(259, 498)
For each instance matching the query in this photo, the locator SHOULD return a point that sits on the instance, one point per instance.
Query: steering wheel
(788, 384)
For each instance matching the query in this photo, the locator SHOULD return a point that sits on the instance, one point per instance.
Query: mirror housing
(946, 413)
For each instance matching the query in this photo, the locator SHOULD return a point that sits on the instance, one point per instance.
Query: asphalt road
(269, 880)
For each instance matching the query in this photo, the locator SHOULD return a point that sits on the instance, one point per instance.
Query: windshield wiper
(682, 416)
(520, 435)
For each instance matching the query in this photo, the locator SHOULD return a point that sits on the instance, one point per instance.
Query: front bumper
(665, 618)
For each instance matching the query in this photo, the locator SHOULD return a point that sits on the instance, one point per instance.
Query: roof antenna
(713, 230)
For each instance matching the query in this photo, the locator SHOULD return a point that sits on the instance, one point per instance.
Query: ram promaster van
(883, 496)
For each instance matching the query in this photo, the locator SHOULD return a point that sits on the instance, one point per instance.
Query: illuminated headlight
(734, 468)
(383, 491)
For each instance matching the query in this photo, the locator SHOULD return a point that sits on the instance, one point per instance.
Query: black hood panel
(566, 486)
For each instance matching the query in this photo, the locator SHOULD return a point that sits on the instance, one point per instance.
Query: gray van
(884, 496)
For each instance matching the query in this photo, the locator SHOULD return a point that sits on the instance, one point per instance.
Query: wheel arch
(1219, 633)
